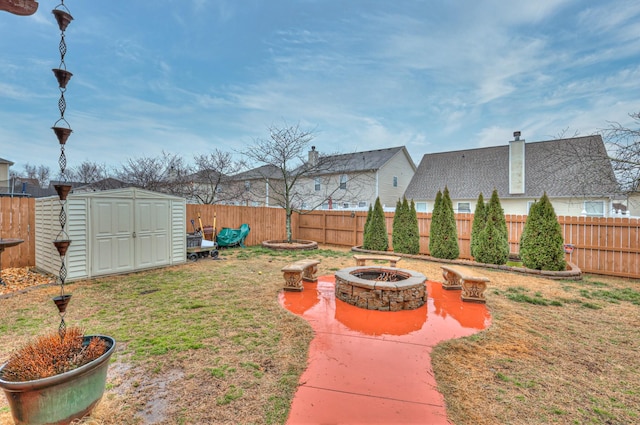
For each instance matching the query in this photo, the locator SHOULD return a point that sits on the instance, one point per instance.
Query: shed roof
(563, 168)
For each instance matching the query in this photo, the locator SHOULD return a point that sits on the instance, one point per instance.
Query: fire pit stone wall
(390, 289)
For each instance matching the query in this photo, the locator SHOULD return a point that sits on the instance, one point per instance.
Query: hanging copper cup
(62, 133)
(63, 76)
(62, 190)
(62, 246)
(62, 301)
(63, 18)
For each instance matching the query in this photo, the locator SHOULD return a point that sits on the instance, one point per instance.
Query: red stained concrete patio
(374, 367)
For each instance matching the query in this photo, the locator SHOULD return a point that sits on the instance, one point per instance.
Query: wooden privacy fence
(18, 220)
(265, 223)
(609, 246)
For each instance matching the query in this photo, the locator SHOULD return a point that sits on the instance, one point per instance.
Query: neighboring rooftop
(563, 168)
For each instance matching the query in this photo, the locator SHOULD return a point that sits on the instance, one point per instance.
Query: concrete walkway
(373, 367)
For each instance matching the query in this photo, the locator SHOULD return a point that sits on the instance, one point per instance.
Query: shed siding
(47, 227)
(77, 229)
(178, 232)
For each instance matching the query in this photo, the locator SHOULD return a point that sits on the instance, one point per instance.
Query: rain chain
(62, 129)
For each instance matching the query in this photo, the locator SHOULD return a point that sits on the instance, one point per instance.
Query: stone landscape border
(284, 244)
(573, 273)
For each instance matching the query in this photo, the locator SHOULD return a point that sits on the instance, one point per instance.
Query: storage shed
(111, 232)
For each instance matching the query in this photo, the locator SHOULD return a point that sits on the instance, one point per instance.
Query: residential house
(5, 183)
(355, 180)
(576, 174)
(256, 187)
(343, 181)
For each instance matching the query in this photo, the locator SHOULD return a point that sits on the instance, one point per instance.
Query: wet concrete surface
(374, 367)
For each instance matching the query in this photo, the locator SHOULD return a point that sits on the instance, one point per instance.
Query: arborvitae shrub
(493, 242)
(444, 234)
(413, 245)
(435, 223)
(366, 238)
(398, 231)
(479, 221)
(377, 239)
(541, 242)
(405, 229)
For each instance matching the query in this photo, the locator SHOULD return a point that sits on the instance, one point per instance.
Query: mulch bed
(20, 279)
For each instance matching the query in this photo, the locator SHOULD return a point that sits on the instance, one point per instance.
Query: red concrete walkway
(373, 367)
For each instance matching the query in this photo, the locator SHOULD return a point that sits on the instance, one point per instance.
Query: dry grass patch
(207, 342)
(562, 352)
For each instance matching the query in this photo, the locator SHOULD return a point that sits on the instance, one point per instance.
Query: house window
(594, 208)
(343, 181)
(395, 181)
(317, 184)
(529, 205)
(247, 185)
(345, 205)
(421, 207)
(325, 205)
(255, 203)
(464, 207)
(362, 204)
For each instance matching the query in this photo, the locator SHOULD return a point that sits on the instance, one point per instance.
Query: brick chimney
(313, 156)
(516, 165)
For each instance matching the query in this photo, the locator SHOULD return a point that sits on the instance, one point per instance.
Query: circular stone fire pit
(381, 288)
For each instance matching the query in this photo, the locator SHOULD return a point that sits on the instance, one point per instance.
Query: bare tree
(40, 174)
(289, 172)
(210, 184)
(624, 148)
(88, 172)
(167, 173)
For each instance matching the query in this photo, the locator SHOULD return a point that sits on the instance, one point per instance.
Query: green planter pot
(59, 399)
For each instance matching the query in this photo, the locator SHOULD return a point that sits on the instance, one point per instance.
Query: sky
(190, 76)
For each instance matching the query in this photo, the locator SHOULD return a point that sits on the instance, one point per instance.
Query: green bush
(413, 231)
(406, 237)
(375, 235)
(479, 221)
(493, 242)
(398, 233)
(443, 236)
(541, 242)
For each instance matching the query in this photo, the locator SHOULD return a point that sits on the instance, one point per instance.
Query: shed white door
(152, 242)
(112, 225)
(129, 234)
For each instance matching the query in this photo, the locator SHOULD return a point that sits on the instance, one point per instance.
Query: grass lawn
(207, 342)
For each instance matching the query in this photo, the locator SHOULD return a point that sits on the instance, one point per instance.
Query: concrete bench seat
(471, 282)
(361, 259)
(295, 273)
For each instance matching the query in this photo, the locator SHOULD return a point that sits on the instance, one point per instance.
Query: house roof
(563, 168)
(5, 161)
(341, 163)
(262, 172)
(367, 160)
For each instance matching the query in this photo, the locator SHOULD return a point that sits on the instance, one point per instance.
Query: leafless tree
(210, 183)
(40, 174)
(624, 147)
(167, 173)
(87, 172)
(288, 171)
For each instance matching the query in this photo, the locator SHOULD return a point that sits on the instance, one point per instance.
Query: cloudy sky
(188, 76)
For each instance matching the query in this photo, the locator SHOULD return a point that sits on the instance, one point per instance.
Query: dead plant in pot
(54, 380)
